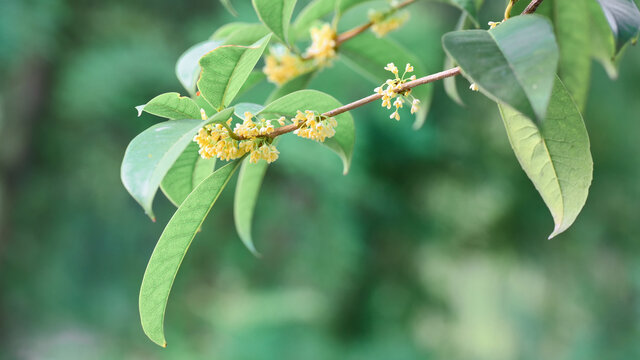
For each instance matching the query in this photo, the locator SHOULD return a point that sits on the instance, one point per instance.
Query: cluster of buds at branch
(218, 140)
(323, 45)
(394, 90)
(313, 126)
(383, 22)
(255, 138)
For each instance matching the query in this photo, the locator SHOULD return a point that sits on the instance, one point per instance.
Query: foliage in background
(467, 260)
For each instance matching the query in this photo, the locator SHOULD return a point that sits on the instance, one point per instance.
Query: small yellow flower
(474, 87)
(323, 44)
(391, 67)
(408, 68)
(493, 24)
(383, 24)
(203, 114)
(398, 103)
(314, 127)
(281, 65)
(415, 106)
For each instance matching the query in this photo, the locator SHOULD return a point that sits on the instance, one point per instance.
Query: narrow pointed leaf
(602, 44)
(152, 153)
(555, 155)
(171, 248)
(186, 173)
(276, 15)
(450, 86)
(572, 27)
(515, 63)
(369, 55)
(171, 106)
(624, 19)
(344, 139)
(226, 69)
(188, 68)
(246, 197)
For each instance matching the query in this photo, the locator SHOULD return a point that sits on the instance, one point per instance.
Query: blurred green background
(434, 245)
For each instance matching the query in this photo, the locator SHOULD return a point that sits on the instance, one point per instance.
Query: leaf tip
(140, 108)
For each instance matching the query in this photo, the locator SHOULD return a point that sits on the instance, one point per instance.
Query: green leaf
(153, 152)
(554, 155)
(514, 63)
(226, 69)
(369, 55)
(449, 83)
(171, 248)
(246, 35)
(602, 45)
(342, 142)
(188, 68)
(186, 173)
(241, 108)
(171, 106)
(314, 11)
(227, 5)
(572, 27)
(247, 190)
(276, 15)
(624, 19)
(299, 82)
(469, 7)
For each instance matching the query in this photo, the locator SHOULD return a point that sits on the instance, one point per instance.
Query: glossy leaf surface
(554, 155)
(515, 63)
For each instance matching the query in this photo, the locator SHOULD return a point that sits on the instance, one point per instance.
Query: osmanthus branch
(362, 28)
(531, 8)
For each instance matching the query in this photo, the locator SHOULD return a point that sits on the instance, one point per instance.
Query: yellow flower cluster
(314, 127)
(215, 140)
(382, 23)
(393, 91)
(323, 44)
(281, 66)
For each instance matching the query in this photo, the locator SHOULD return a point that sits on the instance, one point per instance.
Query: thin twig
(531, 8)
(371, 98)
(362, 28)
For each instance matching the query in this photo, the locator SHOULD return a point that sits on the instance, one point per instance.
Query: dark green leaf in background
(171, 248)
(153, 152)
(555, 155)
(246, 197)
(171, 106)
(226, 69)
(514, 63)
(449, 83)
(299, 82)
(342, 142)
(276, 15)
(624, 19)
(572, 29)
